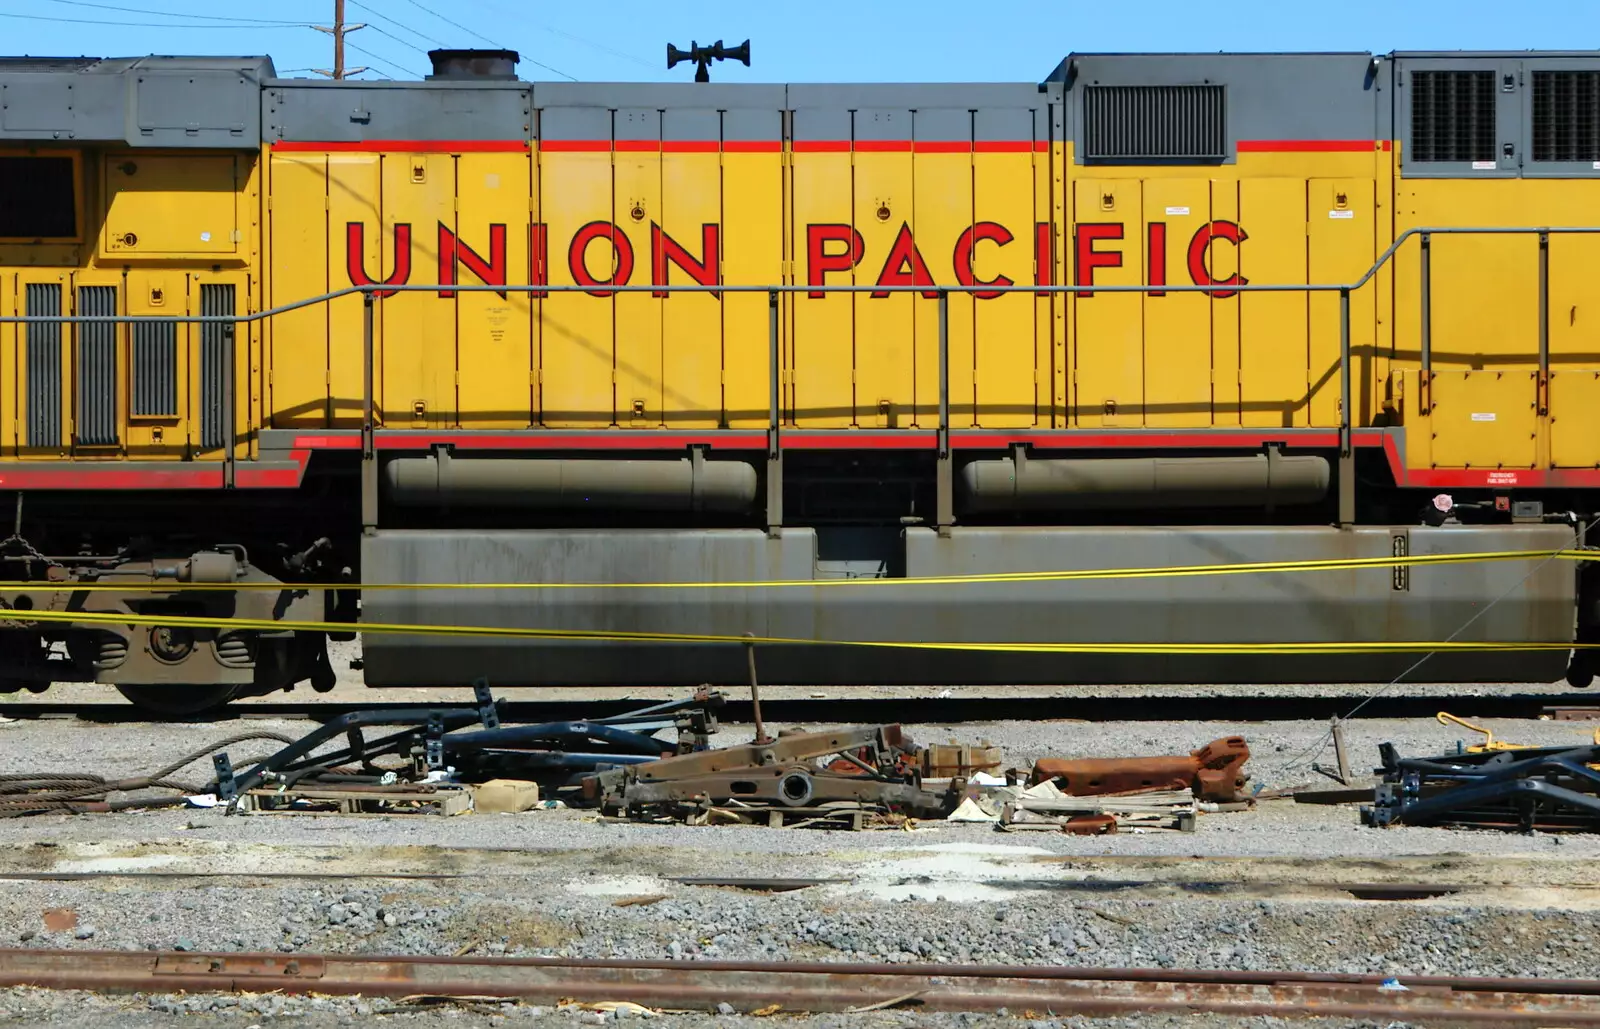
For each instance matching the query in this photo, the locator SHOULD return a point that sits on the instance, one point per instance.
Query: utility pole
(337, 31)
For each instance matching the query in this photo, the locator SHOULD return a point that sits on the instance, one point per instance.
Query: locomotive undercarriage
(77, 558)
(861, 509)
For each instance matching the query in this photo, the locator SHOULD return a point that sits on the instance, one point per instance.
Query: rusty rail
(826, 987)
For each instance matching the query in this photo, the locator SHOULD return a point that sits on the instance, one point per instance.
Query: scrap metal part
(1215, 772)
(472, 742)
(1551, 789)
(876, 766)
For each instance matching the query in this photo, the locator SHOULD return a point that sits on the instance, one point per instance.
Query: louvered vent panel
(1154, 123)
(97, 368)
(155, 370)
(1566, 116)
(44, 365)
(215, 340)
(1452, 116)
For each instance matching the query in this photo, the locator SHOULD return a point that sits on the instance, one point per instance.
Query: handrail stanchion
(1425, 379)
(230, 406)
(944, 475)
(774, 422)
(369, 452)
(1347, 453)
(1543, 385)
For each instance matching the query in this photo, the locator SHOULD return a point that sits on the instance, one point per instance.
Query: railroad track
(824, 987)
(984, 708)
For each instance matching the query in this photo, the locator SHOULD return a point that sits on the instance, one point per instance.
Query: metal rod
(772, 374)
(755, 692)
(16, 526)
(1347, 455)
(230, 428)
(1427, 306)
(944, 373)
(774, 418)
(1544, 321)
(369, 455)
(944, 481)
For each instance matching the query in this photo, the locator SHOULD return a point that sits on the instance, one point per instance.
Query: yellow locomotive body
(955, 211)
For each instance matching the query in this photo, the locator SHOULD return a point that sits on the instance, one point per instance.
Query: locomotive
(837, 367)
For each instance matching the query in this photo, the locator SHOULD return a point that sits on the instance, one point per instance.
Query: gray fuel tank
(1537, 603)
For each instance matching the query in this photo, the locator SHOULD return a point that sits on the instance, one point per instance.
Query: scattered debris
(802, 779)
(358, 799)
(953, 760)
(508, 796)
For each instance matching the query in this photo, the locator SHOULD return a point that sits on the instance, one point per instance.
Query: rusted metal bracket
(1215, 772)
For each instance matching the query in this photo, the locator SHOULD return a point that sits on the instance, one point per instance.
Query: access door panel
(1109, 327)
(494, 331)
(1273, 333)
(1177, 326)
(1341, 221)
(586, 248)
(998, 248)
(686, 239)
(827, 250)
(297, 357)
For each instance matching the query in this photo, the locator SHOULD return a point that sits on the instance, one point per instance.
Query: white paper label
(1483, 166)
(1341, 214)
(1185, 210)
(1597, 166)
(491, 181)
(205, 237)
(1483, 416)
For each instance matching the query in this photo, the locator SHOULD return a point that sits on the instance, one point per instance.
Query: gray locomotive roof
(141, 101)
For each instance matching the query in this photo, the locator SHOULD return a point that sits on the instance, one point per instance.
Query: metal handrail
(372, 292)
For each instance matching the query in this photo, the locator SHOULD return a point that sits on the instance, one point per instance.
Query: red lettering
(621, 254)
(1089, 233)
(355, 245)
(452, 252)
(1200, 249)
(1044, 254)
(965, 243)
(1157, 273)
(538, 258)
(664, 249)
(819, 262)
(904, 266)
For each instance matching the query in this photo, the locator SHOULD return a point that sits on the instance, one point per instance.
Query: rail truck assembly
(777, 336)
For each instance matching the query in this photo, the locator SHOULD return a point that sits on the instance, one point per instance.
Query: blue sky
(809, 41)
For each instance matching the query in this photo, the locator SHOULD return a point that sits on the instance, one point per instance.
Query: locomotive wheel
(178, 700)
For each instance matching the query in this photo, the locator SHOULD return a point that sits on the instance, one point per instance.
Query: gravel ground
(565, 883)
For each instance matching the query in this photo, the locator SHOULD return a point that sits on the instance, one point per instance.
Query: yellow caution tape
(384, 628)
(1176, 571)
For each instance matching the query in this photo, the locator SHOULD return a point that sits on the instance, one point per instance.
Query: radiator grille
(216, 344)
(155, 370)
(1566, 116)
(43, 346)
(1452, 116)
(1154, 123)
(97, 368)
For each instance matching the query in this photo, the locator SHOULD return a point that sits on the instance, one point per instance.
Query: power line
(167, 14)
(399, 25)
(456, 24)
(574, 38)
(486, 39)
(146, 24)
(384, 61)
